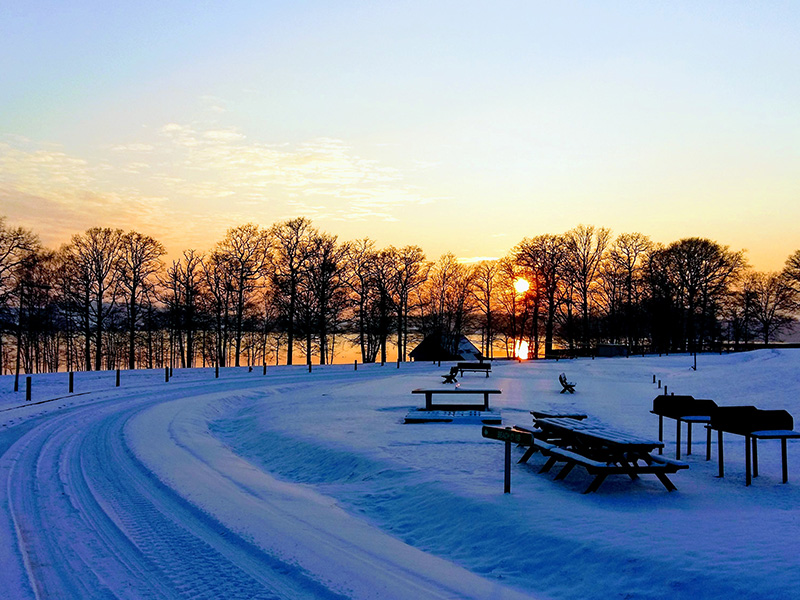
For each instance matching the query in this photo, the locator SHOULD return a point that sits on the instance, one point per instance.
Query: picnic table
(459, 391)
(601, 450)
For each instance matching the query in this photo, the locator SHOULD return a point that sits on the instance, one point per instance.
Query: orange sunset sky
(457, 126)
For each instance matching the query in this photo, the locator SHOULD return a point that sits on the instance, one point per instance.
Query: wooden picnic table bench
(754, 424)
(429, 393)
(601, 450)
(478, 367)
(684, 409)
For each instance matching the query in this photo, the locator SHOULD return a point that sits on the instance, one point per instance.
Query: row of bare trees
(107, 299)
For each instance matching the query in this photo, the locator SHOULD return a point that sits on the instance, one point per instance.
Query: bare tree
(411, 271)
(546, 256)
(96, 255)
(325, 274)
(289, 250)
(244, 252)
(485, 274)
(628, 255)
(17, 246)
(366, 299)
(694, 275)
(773, 300)
(140, 262)
(586, 248)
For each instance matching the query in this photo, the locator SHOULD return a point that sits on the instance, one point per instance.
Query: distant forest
(293, 293)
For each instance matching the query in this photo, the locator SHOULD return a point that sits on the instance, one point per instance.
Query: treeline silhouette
(107, 299)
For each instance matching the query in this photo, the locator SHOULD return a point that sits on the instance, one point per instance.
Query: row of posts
(659, 385)
(167, 375)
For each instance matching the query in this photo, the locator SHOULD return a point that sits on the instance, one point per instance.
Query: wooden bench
(654, 465)
(477, 367)
(429, 393)
(566, 386)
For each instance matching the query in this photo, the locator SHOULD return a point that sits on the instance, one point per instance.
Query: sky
(460, 127)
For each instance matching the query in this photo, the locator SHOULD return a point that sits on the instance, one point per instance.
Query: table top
(454, 390)
(595, 433)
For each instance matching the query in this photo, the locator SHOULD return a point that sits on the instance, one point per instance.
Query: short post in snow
(71, 381)
(28, 388)
(117, 377)
(355, 365)
(665, 389)
(654, 377)
(659, 384)
(507, 469)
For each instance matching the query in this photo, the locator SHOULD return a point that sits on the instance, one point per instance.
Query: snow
(308, 485)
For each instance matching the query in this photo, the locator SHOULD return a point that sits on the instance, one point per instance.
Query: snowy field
(308, 485)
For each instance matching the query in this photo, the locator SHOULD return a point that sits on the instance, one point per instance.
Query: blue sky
(458, 126)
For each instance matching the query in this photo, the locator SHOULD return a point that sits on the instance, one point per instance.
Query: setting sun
(521, 349)
(521, 286)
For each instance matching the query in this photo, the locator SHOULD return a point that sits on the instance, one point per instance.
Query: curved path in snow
(130, 496)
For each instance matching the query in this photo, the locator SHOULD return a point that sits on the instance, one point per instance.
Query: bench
(754, 424)
(429, 393)
(451, 376)
(566, 386)
(684, 409)
(654, 465)
(477, 367)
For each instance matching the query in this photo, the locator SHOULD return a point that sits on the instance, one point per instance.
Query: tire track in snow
(91, 522)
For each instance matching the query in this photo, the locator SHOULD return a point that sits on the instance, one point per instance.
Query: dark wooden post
(355, 365)
(507, 469)
(28, 388)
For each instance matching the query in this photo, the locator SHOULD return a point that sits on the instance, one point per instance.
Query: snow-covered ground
(308, 485)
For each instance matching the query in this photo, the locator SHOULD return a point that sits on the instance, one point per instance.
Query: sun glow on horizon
(521, 349)
(521, 285)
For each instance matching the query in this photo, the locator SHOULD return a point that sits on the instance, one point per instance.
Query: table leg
(660, 432)
(755, 457)
(688, 438)
(486, 401)
(428, 400)
(666, 481)
(678, 440)
(708, 442)
(721, 454)
(747, 476)
(528, 453)
(783, 461)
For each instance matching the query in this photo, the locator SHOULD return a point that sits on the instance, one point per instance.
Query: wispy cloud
(199, 179)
